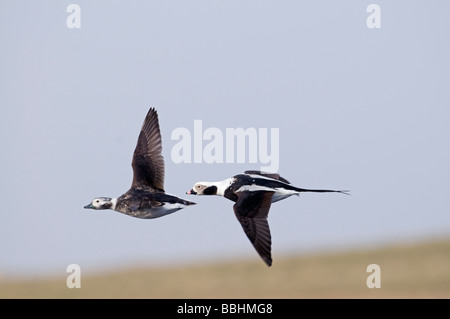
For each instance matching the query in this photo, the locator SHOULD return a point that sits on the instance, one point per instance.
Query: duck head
(102, 203)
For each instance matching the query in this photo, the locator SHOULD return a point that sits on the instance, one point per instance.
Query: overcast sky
(358, 108)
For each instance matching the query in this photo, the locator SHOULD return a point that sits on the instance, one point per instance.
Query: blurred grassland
(407, 271)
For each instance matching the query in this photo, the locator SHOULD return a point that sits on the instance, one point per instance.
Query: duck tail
(346, 192)
(188, 203)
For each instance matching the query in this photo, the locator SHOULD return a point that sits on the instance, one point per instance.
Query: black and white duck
(146, 198)
(253, 192)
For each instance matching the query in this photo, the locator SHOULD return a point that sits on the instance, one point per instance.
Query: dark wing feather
(251, 210)
(148, 162)
(271, 175)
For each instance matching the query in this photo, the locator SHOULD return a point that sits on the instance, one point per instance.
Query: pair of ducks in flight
(253, 192)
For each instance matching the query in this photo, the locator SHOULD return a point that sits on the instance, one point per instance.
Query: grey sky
(357, 108)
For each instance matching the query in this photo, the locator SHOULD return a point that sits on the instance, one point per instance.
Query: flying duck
(146, 198)
(253, 192)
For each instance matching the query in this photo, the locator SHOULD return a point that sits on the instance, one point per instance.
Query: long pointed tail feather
(346, 192)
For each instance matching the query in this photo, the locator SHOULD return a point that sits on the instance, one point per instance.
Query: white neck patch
(114, 203)
(223, 185)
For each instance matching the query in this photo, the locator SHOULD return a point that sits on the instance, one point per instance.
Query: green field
(407, 271)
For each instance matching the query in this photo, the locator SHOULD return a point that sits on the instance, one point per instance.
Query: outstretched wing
(271, 175)
(148, 162)
(251, 210)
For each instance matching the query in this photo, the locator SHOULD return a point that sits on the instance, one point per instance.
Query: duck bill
(191, 192)
(89, 206)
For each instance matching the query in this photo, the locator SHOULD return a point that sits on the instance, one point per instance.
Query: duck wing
(251, 210)
(148, 162)
(270, 175)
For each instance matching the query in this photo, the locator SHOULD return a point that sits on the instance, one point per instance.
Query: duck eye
(97, 201)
